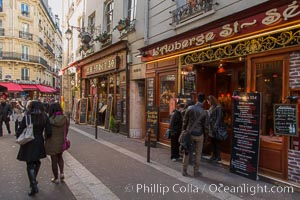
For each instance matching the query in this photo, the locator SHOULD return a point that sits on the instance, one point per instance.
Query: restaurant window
(167, 91)
(25, 74)
(269, 81)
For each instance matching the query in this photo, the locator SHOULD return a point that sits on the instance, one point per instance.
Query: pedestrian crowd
(50, 128)
(191, 126)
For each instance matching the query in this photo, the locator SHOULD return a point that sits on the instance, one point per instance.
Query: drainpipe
(146, 33)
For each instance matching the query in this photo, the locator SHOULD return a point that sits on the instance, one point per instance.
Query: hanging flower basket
(123, 24)
(104, 37)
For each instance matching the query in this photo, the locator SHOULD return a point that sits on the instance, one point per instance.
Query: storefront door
(269, 75)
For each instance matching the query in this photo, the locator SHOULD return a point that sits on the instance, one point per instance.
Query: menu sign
(245, 139)
(108, 112)
(83, 111)
(285, 119)
(189, 82)
(150, 92)
(152, 120)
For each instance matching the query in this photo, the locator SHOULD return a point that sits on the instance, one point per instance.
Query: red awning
(45, 89)
(28, 86)
(11, 87)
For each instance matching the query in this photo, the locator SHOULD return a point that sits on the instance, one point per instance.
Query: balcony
(43, 62)
(25, 13)
(25, 78)
(191, 9)
(18, 56)
(25, 35)
(47, 46)
(41, 42)
(2, 33)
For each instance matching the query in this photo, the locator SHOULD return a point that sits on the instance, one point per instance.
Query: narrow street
(114, 167)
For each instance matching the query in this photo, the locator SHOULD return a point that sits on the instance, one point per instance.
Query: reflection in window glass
(269, 83)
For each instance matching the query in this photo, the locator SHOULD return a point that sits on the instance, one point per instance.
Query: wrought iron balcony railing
(25, 78)
(24, 57)
(196, 7)
(2, 33)
(25, 13)
(41, 41)
(49, 48)
(25, 35)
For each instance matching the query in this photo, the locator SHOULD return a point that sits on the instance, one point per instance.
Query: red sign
(240, 27)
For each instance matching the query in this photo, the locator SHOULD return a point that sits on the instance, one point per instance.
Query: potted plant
(123, 23)
(103, 37)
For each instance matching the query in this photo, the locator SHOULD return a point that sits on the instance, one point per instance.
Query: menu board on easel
(108, 112)
(245, 138)
(83, 111)
(74, 111)
(94, 109)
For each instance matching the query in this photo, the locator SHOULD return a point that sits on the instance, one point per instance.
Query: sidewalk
(213, 174)
(14, 184)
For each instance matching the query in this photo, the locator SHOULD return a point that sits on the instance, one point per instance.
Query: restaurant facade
(258, 51)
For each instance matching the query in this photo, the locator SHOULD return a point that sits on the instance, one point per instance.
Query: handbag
(221, 133)
(167, 134)
(27, 134)
(67, 143)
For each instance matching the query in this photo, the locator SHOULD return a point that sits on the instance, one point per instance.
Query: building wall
(161, 26)
(42, 28)
(294, 166)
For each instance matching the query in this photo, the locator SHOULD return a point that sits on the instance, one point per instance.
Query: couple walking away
(36, 149)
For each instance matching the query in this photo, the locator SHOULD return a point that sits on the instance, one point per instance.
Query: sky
(56, 6)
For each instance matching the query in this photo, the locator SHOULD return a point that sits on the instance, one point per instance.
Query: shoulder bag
(27, 134)
(186, 133)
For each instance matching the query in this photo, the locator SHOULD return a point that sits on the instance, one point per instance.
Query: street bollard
(148, 145)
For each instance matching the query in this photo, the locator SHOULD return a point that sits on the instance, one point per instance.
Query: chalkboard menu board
(150, 92)
(189, 82)
(245, 139)
(286, 119)
(108, 112)
(152, 120)
(83, 111)
(119, 110)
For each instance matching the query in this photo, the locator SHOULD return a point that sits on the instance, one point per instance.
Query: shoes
(54, 180)
(184, 172)
(197, 174)
(62, 177)
(217, 159)
(174, 159)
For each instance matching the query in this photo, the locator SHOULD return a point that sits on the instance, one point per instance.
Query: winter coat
(193, 113)
(35, 149)
(176, 122)
(54, 144)
(5, 111)
(215, 119)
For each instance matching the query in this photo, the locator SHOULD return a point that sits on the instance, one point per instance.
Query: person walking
(18, 115)
(215, 114)
(175, 130)
(60, 125)
(5, 112)
(34, 150)
(195, 121)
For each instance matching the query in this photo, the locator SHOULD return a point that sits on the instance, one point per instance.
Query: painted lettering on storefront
(106, 65)
(271, 17)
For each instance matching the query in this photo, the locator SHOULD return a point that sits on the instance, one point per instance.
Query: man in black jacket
(196, 122)
(175, 130)
(5, 112)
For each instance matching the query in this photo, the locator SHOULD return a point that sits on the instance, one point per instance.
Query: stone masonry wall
(294, 166)
(295, 69)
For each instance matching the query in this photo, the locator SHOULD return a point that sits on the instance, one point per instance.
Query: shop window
(167, 90)
(269, 81)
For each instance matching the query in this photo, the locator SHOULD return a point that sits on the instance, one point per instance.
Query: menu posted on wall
(245, 137)
(189, 82)
(286, 119)
(152, 120)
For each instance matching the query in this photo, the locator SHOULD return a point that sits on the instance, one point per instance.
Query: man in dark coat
(195, 121)
(5, 112)
(175, 130)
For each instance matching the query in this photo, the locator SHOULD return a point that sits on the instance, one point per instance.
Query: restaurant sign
(274, 16)
(103, 66)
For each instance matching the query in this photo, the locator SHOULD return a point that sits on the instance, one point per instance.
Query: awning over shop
(11, 87)
(45, 89)
(28, 87)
